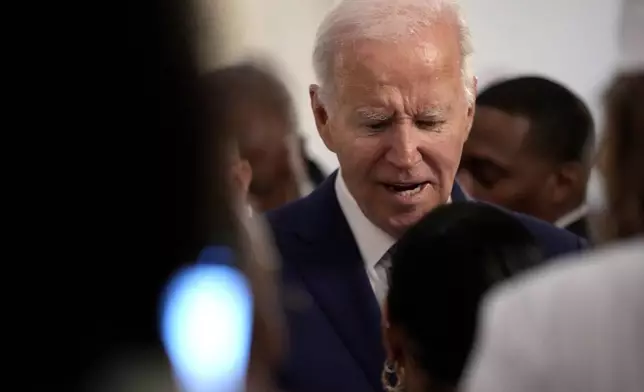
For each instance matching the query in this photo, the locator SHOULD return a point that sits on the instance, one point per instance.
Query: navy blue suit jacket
(333, 317)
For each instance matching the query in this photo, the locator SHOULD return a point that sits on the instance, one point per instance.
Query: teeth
(408, 192)
(411, 192)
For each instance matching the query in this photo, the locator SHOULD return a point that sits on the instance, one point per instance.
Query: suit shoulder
(566, 287)
(286, 216)
(552, 240)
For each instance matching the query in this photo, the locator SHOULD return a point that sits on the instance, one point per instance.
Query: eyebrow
(431, 113)
(379, 114)
(373, 114)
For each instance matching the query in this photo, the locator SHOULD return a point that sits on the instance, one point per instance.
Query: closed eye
(429, 124)
(379, 125)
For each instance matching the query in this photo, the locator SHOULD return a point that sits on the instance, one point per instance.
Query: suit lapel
(458, 195)
(333, 271)
(335, 276)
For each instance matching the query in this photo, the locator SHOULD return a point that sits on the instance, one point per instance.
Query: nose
(403, 147)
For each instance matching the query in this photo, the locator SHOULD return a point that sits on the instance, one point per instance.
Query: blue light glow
(206, 327)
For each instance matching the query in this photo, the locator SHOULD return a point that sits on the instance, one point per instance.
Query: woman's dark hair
(623, 157)
(440, 270)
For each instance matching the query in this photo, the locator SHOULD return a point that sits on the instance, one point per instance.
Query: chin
(400, 221)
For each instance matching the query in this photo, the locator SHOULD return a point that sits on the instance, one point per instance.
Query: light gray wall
(573, 41)
(632, 34)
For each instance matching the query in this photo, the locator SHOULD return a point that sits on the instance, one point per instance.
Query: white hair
(383, 20)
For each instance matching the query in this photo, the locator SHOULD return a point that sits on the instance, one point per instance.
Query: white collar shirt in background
(572, 217)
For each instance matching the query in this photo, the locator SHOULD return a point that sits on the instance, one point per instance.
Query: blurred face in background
(497, 167)
(263, 142)
(397, 119)
(621, 159)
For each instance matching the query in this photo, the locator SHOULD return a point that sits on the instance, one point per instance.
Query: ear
(472, 106)
(392, 339)
(321, 115)
(384, 326)
(475, 87)
(569, 180)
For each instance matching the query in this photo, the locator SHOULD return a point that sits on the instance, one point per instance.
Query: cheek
(532, 179)
(517, 193)
(356, 153)
(443, 152)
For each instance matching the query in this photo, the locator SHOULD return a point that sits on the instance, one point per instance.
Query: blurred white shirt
(577, 325)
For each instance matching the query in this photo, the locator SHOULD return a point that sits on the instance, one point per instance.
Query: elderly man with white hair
(395, 102)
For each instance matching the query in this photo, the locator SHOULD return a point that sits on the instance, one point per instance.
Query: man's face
(497, 166)
(397, 123)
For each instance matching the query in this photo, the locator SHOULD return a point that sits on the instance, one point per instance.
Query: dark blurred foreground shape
(428, 339)
(162, 196)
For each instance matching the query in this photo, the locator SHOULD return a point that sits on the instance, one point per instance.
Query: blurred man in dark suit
(531, 151)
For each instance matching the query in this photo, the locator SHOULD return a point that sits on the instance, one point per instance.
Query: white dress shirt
(577, 325)
(572, 216)
(373, 243)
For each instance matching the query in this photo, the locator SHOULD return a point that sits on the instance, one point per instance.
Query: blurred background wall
(632, 33)
(577, 42)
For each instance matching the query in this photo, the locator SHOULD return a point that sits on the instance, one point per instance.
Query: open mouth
(407, 189)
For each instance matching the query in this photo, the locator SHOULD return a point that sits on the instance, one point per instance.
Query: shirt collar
(572, 216)
(372, 241)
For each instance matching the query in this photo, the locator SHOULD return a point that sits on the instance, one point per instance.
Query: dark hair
(561, 126)
(623, 156)
(440, 269)
(254, 84)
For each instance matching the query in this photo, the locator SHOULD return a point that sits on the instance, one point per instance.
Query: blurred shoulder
(604, 275)
(297, 217)
(553, 240)
(288, 214)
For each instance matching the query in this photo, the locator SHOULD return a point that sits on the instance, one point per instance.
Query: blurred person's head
(239, 171)
(394, 102)
(621, 160)
(440, 270)
(530, 149)
(260, 112)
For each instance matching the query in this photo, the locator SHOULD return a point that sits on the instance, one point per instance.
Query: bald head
(385, 21)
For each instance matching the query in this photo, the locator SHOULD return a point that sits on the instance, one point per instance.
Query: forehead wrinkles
(376, 62)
